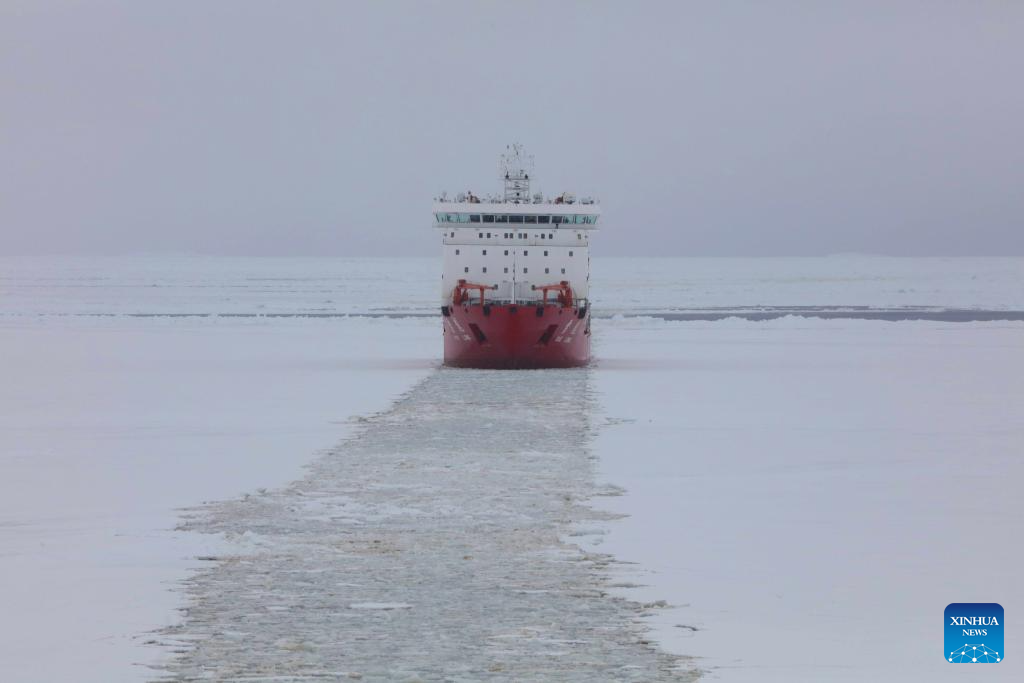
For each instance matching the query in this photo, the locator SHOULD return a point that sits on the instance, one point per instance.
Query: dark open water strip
(949, 315)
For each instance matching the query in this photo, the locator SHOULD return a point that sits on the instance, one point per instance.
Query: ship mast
(516, 168)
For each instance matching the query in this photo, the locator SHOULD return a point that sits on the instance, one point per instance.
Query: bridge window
(530, 219)
(439, 217)
(474, 218)
(543, 219)
(515, 219)
(488, 218)
(501, 219)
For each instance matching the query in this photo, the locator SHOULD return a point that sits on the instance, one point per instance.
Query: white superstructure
(516, 243)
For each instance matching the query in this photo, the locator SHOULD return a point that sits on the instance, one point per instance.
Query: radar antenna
(516, 168)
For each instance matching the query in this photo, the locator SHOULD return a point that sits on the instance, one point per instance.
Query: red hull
(516, 336)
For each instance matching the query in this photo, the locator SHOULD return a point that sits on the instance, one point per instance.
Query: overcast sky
(326, 128)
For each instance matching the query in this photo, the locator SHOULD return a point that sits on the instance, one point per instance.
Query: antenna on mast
(516, 168)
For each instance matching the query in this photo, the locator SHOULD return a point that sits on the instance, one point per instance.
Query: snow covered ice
(426, 546)
(774, 482)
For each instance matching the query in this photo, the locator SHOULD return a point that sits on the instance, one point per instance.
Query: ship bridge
(516, 244)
